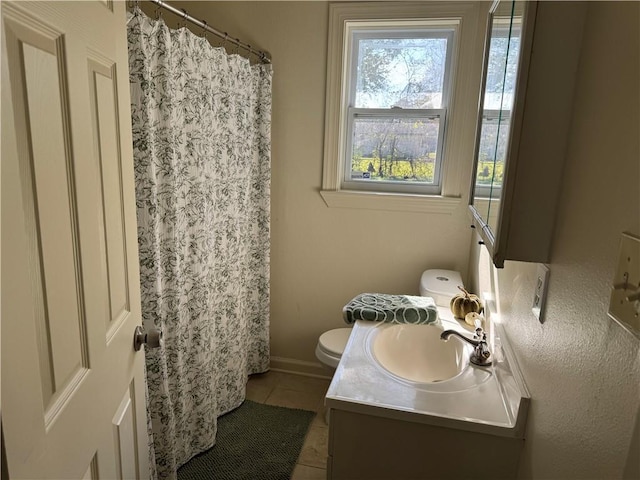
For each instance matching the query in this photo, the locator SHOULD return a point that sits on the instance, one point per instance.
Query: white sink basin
(416, 353)
(490, 400)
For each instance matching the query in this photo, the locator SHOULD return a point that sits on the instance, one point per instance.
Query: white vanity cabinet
(531, 59)
(384, 428)
(367, 447)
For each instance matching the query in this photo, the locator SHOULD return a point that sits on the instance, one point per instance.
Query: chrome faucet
(481, 353)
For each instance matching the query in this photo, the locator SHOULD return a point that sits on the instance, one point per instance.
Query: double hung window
(398, 84)
(403, 81)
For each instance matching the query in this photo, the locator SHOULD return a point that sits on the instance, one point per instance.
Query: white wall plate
(624, 303)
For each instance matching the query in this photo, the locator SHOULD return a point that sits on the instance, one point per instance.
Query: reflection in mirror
(501, 71)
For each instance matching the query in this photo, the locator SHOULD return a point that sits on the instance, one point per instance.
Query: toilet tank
(441, 285)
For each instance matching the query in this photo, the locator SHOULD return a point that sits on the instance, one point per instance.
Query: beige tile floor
(297, 391)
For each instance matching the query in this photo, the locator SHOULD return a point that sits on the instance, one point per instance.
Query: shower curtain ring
(158, 13)
(184, 18)
(204, 29)
(237, 46)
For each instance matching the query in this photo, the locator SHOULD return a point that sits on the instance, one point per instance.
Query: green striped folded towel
(382, 307)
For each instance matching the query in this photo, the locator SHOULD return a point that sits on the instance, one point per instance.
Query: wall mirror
(504, 76)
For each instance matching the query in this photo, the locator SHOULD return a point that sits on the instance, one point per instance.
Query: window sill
(391, 201)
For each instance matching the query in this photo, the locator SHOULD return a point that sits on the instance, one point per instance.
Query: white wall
(583, 370)
(322, 257)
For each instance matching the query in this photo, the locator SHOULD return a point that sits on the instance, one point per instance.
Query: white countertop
(491, 400)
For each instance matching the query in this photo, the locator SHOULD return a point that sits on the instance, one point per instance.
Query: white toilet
(331, 346)
(441, 285)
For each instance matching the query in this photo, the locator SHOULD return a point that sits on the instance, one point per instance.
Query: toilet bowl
(441, 285)
(331, 345)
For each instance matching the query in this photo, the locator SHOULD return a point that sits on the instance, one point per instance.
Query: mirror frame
(496, 242)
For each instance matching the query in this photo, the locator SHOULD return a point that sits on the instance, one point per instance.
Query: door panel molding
(70, 298)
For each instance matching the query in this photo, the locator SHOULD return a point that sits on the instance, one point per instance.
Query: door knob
(152, 338)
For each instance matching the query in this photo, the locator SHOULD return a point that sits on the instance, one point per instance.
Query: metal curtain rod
(264, 56)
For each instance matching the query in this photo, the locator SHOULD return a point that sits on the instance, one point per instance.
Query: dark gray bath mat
(254, 442)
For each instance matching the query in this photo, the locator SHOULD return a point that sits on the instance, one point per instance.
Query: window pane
(394, 149)
(400, 72)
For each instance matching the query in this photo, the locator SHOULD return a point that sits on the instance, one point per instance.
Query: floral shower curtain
(201, 131)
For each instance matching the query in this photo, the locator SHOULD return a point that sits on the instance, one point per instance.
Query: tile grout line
(266, 399)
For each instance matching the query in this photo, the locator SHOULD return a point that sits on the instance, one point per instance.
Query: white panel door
(73, 393)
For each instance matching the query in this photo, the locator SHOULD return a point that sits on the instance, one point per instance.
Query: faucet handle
(478, 323)
(480, 334)
(481, 353)
(484, 350)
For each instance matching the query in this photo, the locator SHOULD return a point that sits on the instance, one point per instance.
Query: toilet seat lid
(335, 340)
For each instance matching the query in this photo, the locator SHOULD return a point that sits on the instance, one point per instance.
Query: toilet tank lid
(441, 282)
(334, 341)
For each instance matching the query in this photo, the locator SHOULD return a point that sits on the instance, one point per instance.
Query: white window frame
(395, 29)
(461, 117)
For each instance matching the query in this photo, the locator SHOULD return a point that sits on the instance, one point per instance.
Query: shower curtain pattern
(201, 132)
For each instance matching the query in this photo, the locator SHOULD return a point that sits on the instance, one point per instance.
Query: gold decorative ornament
(471, 318)
(464, 303)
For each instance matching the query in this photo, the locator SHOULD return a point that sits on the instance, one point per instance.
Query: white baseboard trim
(300, 367)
